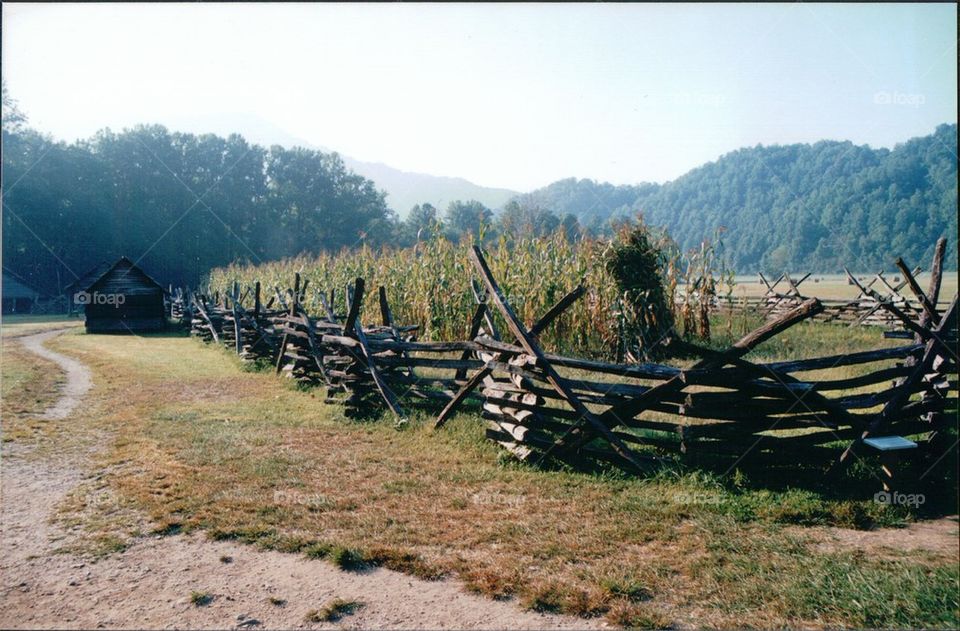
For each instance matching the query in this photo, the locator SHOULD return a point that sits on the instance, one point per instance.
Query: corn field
(429, 285)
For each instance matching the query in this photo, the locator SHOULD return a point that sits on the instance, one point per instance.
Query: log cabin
(120, 298)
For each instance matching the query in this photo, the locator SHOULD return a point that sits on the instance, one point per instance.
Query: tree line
(800, 207)
(181, 204)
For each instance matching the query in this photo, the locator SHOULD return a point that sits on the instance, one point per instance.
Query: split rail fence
(542, 407)
(865, 309)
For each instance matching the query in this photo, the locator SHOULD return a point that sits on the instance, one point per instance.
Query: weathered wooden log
(516, 328)
(576, 438)
(928, 308)
(905, 390)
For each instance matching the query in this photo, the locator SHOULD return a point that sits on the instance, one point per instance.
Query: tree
(571, 227)
(511, 219)
(421, 221)
(810, 207)
(13, 119)
(468, 218)
(517, 220)
(179, 204)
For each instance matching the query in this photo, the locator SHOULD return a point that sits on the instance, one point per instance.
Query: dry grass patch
(99, 521)
(333, 611)
(29, 384)
(838, 287)
(201, 599)
(638, 616)
(272, 466)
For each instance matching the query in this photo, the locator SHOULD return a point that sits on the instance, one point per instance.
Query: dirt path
(77, 375)
(936, 537)
(149, 585)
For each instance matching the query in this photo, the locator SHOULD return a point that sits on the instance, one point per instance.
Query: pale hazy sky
(504, 95)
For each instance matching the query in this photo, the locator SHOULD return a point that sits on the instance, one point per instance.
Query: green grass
(804, 340)
(202, 445)
(333, 611)
(201, 599)
(17, 325)
(856, 587)
(28, 385)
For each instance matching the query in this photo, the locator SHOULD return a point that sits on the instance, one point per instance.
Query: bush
(637, 262)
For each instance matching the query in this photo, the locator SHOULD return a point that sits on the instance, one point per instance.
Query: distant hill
(593, 203)
(404, 189)
(804, 207)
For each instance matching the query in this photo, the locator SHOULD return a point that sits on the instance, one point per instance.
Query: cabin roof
(89, 278)
(13, 288)
(126, 278)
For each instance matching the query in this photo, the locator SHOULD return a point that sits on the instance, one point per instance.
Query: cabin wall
(139, 313)
(122, 299)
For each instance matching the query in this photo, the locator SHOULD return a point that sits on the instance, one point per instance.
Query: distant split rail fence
(542, 407)
(784, 293)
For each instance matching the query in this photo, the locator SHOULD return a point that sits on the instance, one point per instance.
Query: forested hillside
(405, 189)
(811, 207)
(593, 203)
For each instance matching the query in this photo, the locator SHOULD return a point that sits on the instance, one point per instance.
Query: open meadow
(185, 439)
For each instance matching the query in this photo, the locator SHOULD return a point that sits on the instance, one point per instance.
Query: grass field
(197, 442)
(17, 325)
(837, 287)
(28, 383)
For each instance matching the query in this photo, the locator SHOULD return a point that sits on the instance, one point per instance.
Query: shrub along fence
(544, 407)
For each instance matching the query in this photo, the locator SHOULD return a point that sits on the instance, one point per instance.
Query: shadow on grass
(171, 331)
(762, 484)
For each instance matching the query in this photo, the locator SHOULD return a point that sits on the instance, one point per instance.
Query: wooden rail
(544, 407)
